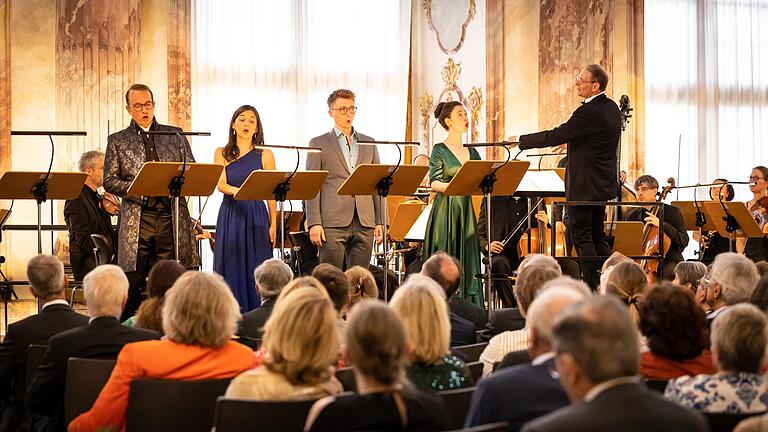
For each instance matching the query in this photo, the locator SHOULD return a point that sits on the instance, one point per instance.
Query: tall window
(706, 84)
(285, 57)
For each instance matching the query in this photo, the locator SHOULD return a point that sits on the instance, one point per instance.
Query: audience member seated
(535, 271)
(420, 305)
(200, 316)
(447, 272)
(688, 274)
(676, 332)
(337, 285)
(378, 348)
(105, 290)
(362, 285)
(738, 346)
(627, 281)
(301, 348)
(270, 277)
(45, 274)
(615, 259)
(762, 268)
(759, 296)
(161, 278)
(597, 355)
(730, 281)
(536, 380)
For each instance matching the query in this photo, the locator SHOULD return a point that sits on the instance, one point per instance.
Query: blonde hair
(362, 285)
(420, 304)
(199, 309)
(303, 282)
(628, 282)
(105, 289)
(300, 337)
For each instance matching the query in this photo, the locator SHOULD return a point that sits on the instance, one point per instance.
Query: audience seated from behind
(448, 272)
(676, 334)
(105, 290)
(731, 280)
(533, 273)
(762, 268)
(378, 348)
(200, 316)
(420, 305)
(335, 282)
(628, 282)
(738, 347)
(161, 278)
(362, 285)
(270, 277)
(596, 353)
(759, 296)
(615, 259)
(688, 274)
(47, 280)
(536, 380)
(301, 347)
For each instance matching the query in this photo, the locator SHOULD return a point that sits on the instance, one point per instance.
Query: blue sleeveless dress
(242, 235)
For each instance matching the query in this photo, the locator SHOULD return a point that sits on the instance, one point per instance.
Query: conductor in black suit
(592, 137)
(84, 217)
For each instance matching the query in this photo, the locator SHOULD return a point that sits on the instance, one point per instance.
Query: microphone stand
(177, 182)
(382, 189)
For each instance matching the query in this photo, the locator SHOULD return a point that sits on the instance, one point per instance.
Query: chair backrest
(470, 353)
(476, 370)
(657, 385)
(514, 358)
(238, 415)
(164, 405)
(103, 251)
(457, 404)
(35, 355)
(347, 379)
(722, 422)
(85, 379)
(490, 427)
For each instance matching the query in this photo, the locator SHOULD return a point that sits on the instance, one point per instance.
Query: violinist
(713, 243)
(84, 216)
(647, 188)
(756, 248)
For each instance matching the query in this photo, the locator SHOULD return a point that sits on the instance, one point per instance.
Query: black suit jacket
(252, 323)
(535, 390)
(103, 337)
(462, 331)
(36, 329)
(83, 218)
(592, 134)
(502, 320)
(469, 311)
(674, 228)
(625, 407)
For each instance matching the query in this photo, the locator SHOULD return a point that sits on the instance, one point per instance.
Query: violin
(651, 235)
(759, 211)
(109, 203)
(200, 234)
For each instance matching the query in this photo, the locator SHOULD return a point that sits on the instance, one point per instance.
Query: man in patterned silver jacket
(145, 227)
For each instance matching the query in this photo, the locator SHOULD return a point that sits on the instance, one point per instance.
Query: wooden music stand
(419, 227)
(383, 180)
(405, 216)
(480, 178)
(627, 237)
(694, 221)
(279, 186)
(175, 179)
(59, 185)
(745, 224)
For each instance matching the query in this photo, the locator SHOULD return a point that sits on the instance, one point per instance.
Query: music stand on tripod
(733, 219)
(697, 219)
(479, 177)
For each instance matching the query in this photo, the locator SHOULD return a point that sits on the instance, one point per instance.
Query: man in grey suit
(342, 227)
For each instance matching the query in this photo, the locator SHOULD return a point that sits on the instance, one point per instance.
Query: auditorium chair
(476, 370)
(238, 415)
(164, 405)
(725, 422)
(470, 353)
(490, 427)
(85, 379)
(35, 355)
(457, 404)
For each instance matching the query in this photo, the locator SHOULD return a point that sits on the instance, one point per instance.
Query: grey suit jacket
(122, 162)
(328, 208)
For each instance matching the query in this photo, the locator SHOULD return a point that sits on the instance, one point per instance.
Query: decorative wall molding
(5, 86)
(441, 19)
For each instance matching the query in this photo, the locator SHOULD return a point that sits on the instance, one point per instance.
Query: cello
(651, 241)
(541, 239)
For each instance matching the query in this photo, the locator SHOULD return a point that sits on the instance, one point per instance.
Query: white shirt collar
(589, 99)
(542, 358)
(603, 386)
(53, 302)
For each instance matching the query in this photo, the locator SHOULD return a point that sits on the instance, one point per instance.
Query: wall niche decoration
(450, 26)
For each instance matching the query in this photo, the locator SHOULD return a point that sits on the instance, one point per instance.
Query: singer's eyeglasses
(344, 110)
(755, 178)
(147, 105)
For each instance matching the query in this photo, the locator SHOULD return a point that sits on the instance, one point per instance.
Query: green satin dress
(452, 226)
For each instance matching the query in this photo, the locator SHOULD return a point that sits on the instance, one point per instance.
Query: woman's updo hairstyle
(443, 111)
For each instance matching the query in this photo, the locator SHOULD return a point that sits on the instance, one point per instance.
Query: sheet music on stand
(541, 183)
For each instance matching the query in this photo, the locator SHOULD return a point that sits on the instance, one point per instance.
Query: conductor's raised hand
(317, 235)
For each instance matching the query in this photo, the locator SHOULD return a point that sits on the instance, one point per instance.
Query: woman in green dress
(452, 227)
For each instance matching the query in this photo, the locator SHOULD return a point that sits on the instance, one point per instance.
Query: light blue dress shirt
(350, 151)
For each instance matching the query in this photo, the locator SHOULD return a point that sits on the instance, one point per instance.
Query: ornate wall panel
(5, 87)
(494, 66)
(179, 67)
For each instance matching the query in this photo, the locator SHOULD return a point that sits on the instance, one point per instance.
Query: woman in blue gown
(245, 230)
